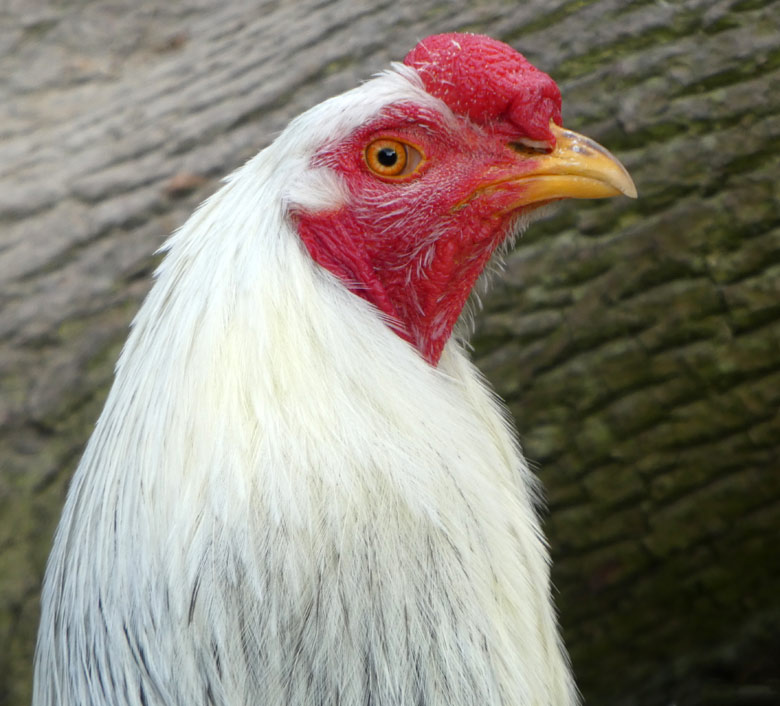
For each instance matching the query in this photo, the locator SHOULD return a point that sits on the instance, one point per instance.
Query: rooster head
(467, 143)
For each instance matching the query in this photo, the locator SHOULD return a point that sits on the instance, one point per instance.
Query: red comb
(488, 81)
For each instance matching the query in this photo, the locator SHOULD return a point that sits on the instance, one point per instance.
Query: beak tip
(622, 180)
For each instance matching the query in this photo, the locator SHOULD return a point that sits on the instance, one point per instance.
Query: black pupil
(387, 156)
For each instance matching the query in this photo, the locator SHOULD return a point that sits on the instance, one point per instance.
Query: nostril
(525, 145)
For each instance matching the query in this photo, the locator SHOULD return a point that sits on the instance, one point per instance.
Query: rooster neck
(290, 354)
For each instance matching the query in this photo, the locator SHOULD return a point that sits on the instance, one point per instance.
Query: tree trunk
(636, 342)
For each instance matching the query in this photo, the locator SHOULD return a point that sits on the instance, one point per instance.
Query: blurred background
(637, 343)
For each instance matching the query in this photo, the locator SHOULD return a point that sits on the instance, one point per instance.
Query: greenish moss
(749, 5)
(684, 23)
(546, 20)
(614, 485)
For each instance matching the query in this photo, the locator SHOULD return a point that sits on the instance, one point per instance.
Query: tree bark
(637, 343)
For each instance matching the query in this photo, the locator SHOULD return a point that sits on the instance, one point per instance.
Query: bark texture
(637, 343)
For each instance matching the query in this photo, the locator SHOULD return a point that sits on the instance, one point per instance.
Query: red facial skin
(414, 246)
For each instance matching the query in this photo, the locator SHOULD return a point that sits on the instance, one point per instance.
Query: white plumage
(283, 503)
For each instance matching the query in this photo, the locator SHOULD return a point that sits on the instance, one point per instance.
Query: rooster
(300, 490)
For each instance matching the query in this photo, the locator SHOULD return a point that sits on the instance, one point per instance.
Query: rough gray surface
(637, 342)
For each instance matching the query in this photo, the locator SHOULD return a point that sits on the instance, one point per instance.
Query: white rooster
(300, 491)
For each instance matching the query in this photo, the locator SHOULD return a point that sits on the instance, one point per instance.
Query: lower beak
(578, 168)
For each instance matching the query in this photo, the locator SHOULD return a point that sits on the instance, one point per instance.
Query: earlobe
(317, 190)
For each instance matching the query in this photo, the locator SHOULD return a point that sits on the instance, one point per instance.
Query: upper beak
(578, 168)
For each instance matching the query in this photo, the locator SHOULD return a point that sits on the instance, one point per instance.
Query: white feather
(282, 502)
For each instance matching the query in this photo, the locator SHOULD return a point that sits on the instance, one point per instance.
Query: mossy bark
(637, 343)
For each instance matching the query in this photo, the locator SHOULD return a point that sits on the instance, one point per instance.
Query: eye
(388, 157)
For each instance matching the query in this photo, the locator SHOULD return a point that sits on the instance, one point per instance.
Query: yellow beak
(578, 168)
